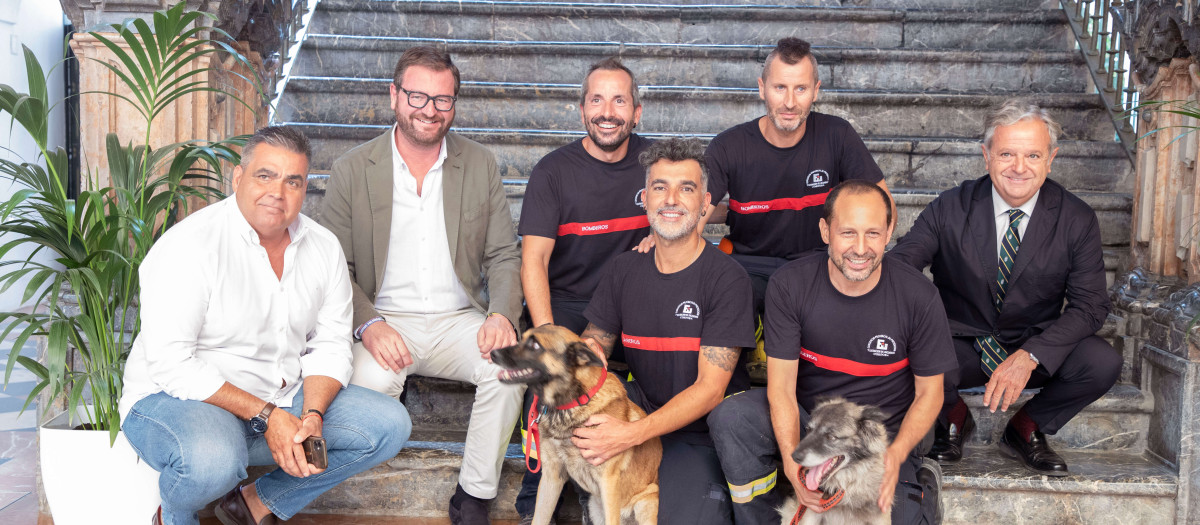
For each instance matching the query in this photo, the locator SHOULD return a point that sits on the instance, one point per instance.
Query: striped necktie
(991, 354)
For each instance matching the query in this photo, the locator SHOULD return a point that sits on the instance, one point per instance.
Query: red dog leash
(825, 503)
(535, 416)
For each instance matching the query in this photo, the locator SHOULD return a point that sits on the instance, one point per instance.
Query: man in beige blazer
(434, 263)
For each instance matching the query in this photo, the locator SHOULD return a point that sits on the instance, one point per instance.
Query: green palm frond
(98, 240)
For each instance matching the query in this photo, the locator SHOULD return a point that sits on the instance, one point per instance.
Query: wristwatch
(259, 423)
(1033, 358)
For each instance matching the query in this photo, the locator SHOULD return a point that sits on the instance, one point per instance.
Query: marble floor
(18, 464)
(19, 502)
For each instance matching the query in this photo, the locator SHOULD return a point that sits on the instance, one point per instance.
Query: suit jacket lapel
(1041, 223)
(983, 231)
(452, 191)
(380, 179)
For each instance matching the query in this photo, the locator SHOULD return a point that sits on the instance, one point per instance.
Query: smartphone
(314, 452)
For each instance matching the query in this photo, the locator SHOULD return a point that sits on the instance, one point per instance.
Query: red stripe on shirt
(661, 344)
(609, 226)
(799, 203)
(853, 368)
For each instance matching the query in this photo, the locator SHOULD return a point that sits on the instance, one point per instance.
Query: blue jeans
(202, 450)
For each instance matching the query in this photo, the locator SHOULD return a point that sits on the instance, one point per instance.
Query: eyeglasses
(419, 100)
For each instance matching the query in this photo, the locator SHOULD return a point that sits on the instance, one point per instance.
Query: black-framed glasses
(419, 100)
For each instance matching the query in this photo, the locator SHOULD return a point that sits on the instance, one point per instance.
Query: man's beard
(624, 130)
(409, 130)
(774, 116)
(853, 274)
(673, 231)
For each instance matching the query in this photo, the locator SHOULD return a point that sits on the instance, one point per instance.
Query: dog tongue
(812, 480)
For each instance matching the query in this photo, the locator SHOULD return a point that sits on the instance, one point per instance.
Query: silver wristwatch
(1033, 357)
(259, 423)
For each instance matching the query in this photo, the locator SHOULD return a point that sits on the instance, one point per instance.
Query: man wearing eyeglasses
(423, 220)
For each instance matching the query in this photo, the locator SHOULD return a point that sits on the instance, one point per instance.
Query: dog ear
(583, 355)
(873, 413)
(871, 422)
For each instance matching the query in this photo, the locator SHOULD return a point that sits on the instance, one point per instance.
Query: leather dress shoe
(466, 509)
(1035, 453)
(948, 442)
(231, 509)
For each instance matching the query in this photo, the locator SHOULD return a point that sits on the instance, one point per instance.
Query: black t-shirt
(664, 319)
(775, 194)
(867, 348)
(592, 209)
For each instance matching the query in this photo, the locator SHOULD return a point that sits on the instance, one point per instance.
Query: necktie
(991, 354)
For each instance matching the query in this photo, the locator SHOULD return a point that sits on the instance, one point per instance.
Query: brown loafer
(231, 509)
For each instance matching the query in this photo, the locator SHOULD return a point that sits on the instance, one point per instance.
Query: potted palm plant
(87, 302)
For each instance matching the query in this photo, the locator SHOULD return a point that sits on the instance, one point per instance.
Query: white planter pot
(88, 482)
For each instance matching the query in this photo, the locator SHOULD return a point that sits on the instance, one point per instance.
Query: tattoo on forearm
(722, 357)
(606, 339)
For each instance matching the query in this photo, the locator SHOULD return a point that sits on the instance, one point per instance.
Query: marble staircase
(915, 77)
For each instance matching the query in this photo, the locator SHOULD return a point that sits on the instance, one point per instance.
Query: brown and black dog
(572, 385)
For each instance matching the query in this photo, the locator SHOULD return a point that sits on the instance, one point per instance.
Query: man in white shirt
(435, 269)
(245, 352)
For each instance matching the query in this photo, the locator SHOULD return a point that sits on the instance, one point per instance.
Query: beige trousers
(444, 345)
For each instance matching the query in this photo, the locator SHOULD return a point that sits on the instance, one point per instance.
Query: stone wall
(1159, 319)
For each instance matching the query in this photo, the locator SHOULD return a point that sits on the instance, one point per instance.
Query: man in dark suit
(1005, 251)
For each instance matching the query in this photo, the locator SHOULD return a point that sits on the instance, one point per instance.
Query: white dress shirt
(419, 276)
(213, 311)
(1001, 208)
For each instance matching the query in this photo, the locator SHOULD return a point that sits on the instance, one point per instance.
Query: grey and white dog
(842, 452)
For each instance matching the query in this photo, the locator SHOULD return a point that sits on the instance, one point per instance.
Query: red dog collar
(825, 503)
(583, 400)
(535, 418)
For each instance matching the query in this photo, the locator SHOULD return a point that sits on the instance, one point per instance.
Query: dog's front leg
(554, 476)
(610, 492)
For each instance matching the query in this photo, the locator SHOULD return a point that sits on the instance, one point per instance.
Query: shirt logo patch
(817, 179)
(638, 198)
(688, 311)
(882, 346)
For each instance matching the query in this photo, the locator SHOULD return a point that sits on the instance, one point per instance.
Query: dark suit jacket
(1060, 258)
(483, 248)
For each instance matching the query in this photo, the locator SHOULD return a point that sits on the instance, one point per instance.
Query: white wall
(37, 24)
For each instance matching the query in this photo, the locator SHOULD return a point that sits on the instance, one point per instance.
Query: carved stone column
(199, 115)
(1166, 197)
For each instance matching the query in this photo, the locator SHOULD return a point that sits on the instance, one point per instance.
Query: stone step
(899, 70)
(1104, 487)
(913, 162)
(984, 488)
(1116, 422)
(698, 24)
(1112, 210)
(418, 483)
(973, 5)
(673, 109)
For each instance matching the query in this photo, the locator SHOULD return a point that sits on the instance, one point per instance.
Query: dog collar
(534, 443)
(583, 400)
(825, 503)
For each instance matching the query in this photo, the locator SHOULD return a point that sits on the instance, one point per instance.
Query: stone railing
(1097, 27)
(273, 30)
(1160, 322)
